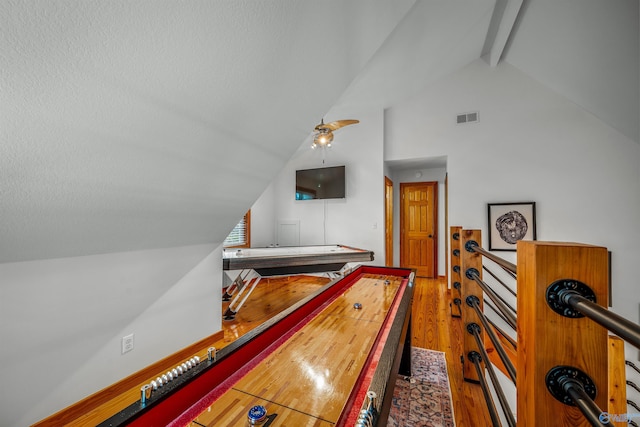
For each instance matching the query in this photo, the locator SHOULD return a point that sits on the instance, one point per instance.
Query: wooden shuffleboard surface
(308, 380)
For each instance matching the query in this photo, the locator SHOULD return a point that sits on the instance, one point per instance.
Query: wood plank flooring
(270, 297)
(313, 373)
(432, 328)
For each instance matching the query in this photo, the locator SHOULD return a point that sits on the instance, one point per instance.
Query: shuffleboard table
(329, 360)
(251, 264)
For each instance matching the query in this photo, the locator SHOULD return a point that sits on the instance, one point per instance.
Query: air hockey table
(249, 265)
(329, 360)
(293, 259)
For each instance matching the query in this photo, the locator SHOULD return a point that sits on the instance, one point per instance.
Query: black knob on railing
(473, 328)
(573, 387)
(472, 273)
(474, 356)
(471, 300)
(470, 245)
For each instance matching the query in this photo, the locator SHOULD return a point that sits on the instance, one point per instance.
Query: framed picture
(510, 222)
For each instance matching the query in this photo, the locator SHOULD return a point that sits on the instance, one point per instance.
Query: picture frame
(510, 222)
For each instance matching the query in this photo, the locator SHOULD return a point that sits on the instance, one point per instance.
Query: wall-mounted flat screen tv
(321, 183)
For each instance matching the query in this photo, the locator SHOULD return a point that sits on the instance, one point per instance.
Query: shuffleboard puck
(257, 415)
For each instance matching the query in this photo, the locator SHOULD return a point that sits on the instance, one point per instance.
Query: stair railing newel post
(558, 354)
(454, 270)
(470, 261)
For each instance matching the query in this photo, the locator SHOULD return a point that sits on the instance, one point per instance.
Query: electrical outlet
(127, 343)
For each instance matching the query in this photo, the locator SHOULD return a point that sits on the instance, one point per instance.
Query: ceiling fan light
(323, 137)
(324, 132)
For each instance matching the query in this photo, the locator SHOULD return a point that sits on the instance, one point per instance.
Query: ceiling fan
(324, 132)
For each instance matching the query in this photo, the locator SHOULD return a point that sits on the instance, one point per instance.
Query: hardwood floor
(432, 328)
(270, 297)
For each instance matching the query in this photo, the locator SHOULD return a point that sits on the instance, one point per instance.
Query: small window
(240, 235)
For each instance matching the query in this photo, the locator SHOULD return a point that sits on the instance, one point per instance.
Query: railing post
(547, 339)
(455, 268)
(617, 377)
(470, 261)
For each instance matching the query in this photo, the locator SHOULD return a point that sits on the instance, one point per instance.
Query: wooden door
(388, 222)
(418, 227)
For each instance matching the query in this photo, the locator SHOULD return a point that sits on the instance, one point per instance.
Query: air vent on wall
(467, 118)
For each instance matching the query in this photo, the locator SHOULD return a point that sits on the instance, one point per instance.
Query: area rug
(424, 399)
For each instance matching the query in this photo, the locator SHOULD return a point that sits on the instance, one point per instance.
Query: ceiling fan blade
(338, 124)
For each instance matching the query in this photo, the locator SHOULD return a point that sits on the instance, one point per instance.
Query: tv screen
(321, 183)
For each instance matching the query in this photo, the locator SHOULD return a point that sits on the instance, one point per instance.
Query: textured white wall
(531, 144)
(122, 123)
(62, 320)
(357, 220)
(263, 220)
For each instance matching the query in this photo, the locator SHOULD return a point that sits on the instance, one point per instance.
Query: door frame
(388, 222)
(434, 212)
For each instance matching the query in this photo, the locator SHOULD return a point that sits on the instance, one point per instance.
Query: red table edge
(172, 405)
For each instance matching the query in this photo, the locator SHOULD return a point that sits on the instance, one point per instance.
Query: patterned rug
(424, 399)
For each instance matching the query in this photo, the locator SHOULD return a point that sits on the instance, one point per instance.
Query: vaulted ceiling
(132, 125)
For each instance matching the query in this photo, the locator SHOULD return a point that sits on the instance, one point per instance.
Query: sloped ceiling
(586, 50)
(129, 125)
(144, 124)
(435, 39)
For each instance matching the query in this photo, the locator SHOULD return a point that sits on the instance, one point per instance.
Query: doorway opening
(419, 227)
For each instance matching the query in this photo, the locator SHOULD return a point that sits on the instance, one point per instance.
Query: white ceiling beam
(505, 15)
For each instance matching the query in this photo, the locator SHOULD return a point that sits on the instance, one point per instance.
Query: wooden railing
(566, 367)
